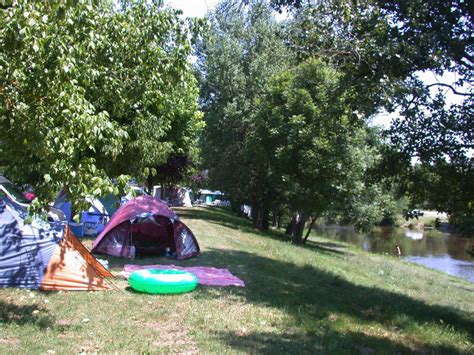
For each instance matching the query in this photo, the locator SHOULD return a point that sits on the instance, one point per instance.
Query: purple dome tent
(145, 226)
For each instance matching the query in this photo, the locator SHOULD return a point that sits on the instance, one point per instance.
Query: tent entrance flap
(152, 236)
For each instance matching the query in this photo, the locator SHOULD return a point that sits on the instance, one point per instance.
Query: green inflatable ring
(157, 281)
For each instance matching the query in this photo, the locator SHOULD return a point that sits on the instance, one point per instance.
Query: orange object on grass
(72, 267)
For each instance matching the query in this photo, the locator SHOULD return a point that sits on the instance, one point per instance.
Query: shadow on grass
(324, 247)
(289, 343)
(11, 313)
(225, 218)
(315, 299)
(325, 342)
(318, 303)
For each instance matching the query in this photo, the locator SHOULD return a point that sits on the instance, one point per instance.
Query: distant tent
(145, 226)
(208, 196)
(51, 259)
(177, 195)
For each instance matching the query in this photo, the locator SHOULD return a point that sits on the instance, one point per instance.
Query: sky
(199, 8)
(193, 8)
(428, 77)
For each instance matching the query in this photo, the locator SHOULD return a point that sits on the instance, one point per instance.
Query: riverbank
(441, 251)
(324, 297)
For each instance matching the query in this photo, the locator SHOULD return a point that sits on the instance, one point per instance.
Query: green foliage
(447, 187)
(366, 202)
(88, 93)
(236, 57)
(280, 138)
(380, 47)
(143, 79)
(52, 133)
(384, 39)
(315, 157)
(302, 136)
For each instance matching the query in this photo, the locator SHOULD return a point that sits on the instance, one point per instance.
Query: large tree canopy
(312, 153)
(236, 58)
(89, 92)
(279, 136)
(381, 47)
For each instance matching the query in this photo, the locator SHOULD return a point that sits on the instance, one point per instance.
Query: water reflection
(440, 251)
(415, 235)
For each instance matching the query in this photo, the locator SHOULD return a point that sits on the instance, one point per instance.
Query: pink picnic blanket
(209, 276)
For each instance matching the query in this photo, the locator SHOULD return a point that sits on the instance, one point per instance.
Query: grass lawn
(325, 297)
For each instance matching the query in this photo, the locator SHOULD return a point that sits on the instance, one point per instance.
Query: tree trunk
(255, 215)
(264, 220)
(299, 227)
(163, 192)
(260, 219)
(73, 205)
(290, 227)
(274, 218)
(150, 181)
(235, 207)
(313, 219)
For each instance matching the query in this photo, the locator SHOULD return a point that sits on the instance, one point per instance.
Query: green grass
(325, 297)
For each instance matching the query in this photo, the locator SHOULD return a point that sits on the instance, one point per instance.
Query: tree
(276, 141)
(51, 133)
(381, 47)
(89, 92)
(311, 151)
(438, 135)
(236, 57)
(176, 169)
(144, 80)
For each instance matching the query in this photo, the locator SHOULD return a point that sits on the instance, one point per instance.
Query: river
(441, 251)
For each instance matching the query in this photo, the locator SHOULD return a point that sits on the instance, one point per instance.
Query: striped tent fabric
(47, 257)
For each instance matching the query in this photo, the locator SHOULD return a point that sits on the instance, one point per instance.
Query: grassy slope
(325, 297)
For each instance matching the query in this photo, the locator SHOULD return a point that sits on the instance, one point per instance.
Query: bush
(463, 222)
